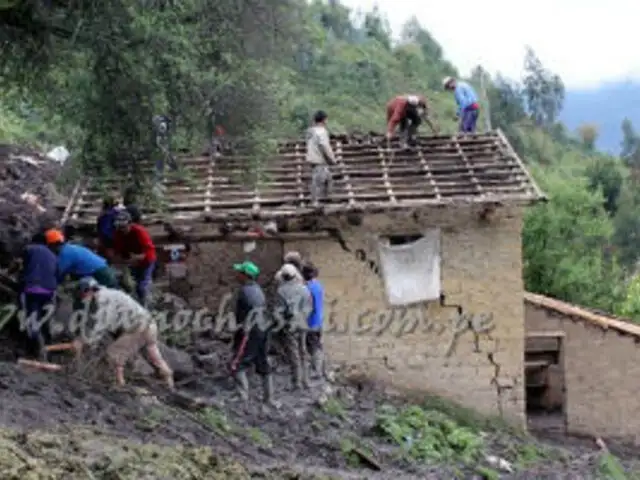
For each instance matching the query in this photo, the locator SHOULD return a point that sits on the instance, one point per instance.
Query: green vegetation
(429, 435)
(92, 74)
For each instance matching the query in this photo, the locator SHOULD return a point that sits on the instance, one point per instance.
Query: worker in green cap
(251, 340)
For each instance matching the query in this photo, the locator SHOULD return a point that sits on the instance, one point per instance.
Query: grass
(217, 420)
(335, 408)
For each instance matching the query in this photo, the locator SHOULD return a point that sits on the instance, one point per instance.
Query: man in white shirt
(114, 312)
(320, 156)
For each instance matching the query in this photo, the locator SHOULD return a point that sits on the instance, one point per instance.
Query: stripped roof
(372, 175)
(602, 320)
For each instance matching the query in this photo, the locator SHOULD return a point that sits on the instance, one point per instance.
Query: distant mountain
(605, 106)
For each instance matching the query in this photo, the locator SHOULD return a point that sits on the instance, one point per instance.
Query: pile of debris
(29, 200)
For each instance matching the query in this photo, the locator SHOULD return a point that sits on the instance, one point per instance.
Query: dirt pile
(28, 197)
(330, 431)
(83, 454)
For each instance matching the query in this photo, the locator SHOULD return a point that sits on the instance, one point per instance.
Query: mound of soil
(145, 432)
(29, 201)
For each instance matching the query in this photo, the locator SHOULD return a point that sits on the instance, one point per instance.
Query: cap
(53, 236)
(250, 269)
(309, 270)
(87, 283)
(293, 257)
(289, 270)
(123, 217)
(446, 81)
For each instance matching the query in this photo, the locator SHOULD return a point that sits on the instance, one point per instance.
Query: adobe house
(587, 368)
(419, 251)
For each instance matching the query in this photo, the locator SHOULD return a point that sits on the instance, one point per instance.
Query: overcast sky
(586, 42)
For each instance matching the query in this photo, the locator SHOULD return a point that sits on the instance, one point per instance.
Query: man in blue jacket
(467, 100)
(38, 283)
(79, 261)
(105, 225)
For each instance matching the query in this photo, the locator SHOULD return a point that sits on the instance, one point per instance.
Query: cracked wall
(600, 371)
(453, 351)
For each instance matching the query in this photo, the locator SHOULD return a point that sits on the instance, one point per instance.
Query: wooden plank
(471, 170)
(545, 334)
(44, 366)
(385, 174)
(60, 347)
(541, 344)
(535, 364)
(509, 149)
(582, 314)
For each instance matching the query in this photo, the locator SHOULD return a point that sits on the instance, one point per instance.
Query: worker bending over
(292, 307)
(251, 339)
(118, 313)
(79, 261)
(38, 283)
(320, 156)
(467, 100)
(408, 111)
(133, 244)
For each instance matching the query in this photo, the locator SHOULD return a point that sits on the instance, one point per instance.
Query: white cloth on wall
(411, 272)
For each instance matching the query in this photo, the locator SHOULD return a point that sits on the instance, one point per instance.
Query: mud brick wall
(602, 372)
(210, 272)
(481, 272)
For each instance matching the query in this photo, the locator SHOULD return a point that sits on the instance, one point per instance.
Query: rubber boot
(296, 379)
(317, 361)
(267, 388)
(305, 375)
(242, 385)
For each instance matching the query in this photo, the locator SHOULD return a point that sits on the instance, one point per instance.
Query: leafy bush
(428, 435)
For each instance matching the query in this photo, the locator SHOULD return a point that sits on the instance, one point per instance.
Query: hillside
(580, 247)
(91, 75)
(606, 106)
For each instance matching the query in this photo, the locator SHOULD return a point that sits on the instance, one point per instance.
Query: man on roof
(467, 100)
(78, 261)
(408, 112)
(133, 244)
(320, 155)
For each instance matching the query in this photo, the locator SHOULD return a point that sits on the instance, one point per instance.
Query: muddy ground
(95, 431)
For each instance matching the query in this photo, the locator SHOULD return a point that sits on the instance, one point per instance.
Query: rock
(211, 363)
(499, 463)
(179, 361)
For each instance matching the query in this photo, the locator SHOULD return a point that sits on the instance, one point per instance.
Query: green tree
(543, 89)
(565, 244)
(605, 175)
(588, 133)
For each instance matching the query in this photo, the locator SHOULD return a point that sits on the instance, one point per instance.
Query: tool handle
(49, 367)
(60, 347)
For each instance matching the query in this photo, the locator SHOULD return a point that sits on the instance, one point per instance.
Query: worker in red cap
(408, 111)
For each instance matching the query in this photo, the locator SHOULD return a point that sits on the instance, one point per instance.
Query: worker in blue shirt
(467, 100)
(79, 261)
(105, 225)
(315, 320)
(38, 284)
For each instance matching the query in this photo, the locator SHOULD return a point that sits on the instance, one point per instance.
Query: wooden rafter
(439, 171)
